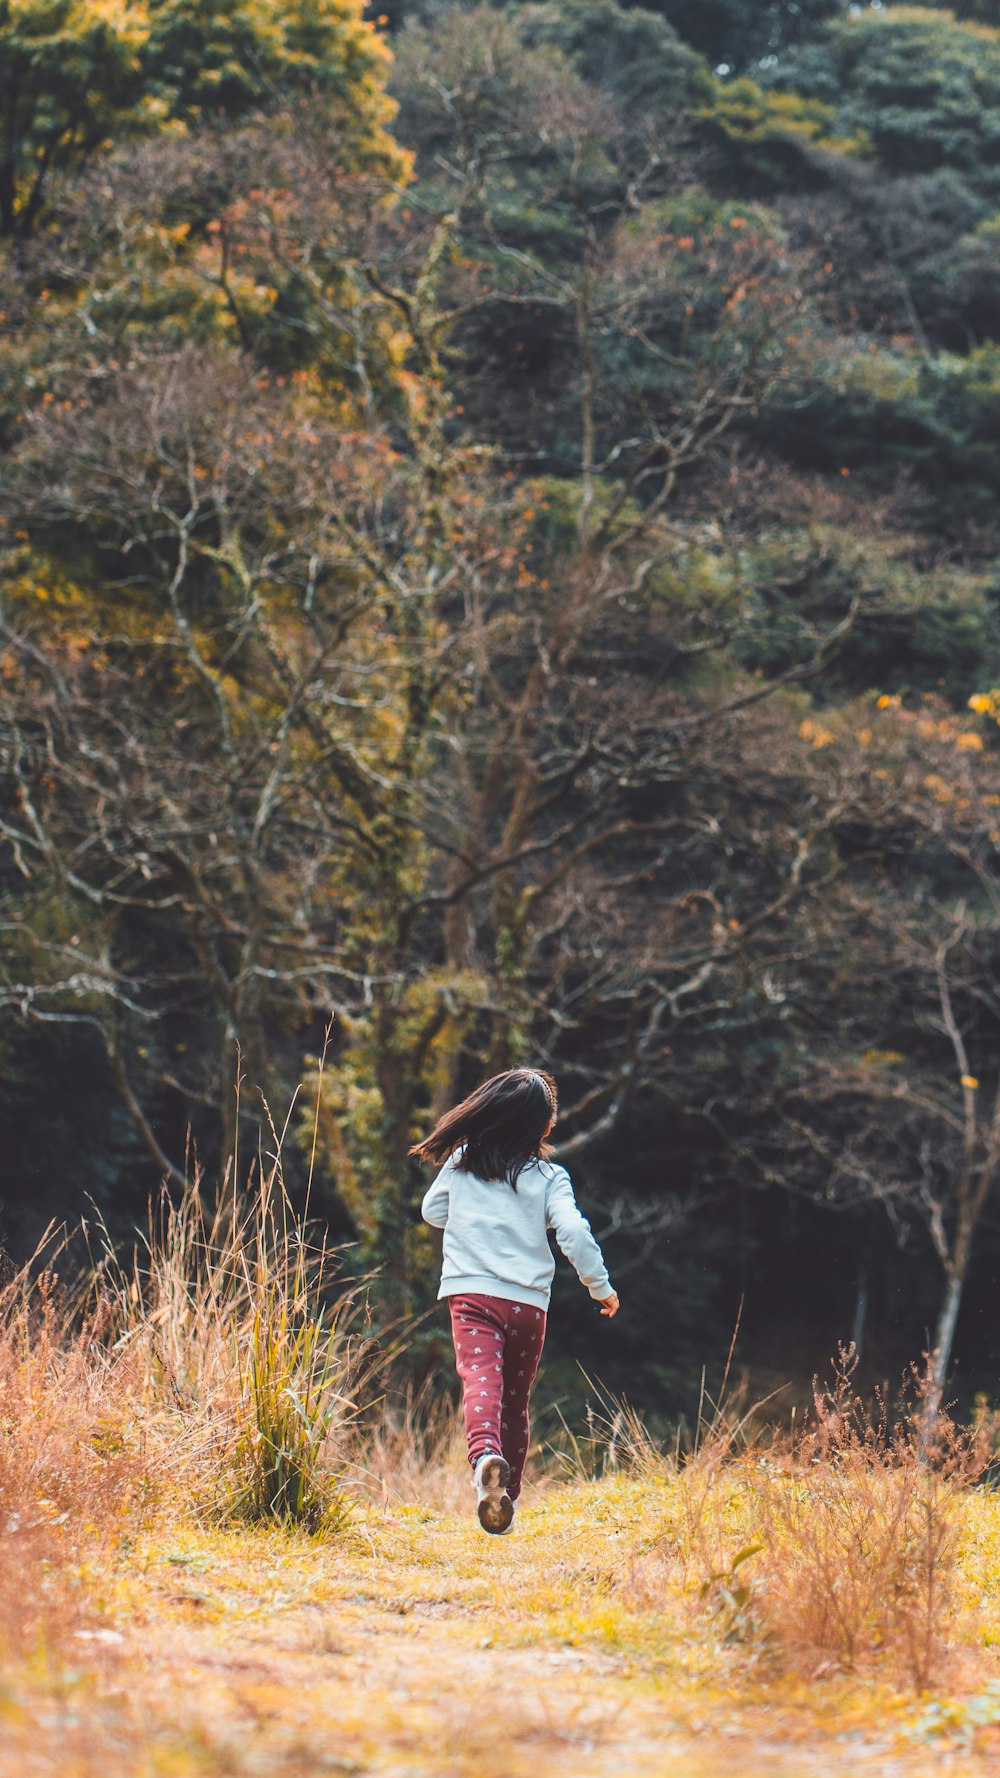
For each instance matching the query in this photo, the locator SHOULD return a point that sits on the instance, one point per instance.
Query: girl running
(496, 1197)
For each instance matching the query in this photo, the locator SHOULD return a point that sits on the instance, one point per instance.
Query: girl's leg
(525, 1339)
(477, 1329)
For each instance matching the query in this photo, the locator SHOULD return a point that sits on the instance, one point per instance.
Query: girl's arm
(572, 1232)
(434, 1208)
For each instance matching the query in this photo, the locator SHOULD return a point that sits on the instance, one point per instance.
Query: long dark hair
(499, 1128)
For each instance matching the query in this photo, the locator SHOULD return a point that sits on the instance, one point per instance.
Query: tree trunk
(944, 1333)
(392, 1211)
(860, 1322)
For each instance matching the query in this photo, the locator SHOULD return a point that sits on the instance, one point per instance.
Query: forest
(500, 521)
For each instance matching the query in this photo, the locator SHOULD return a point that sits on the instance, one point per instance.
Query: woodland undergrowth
(226, 1373)
(825, 1548)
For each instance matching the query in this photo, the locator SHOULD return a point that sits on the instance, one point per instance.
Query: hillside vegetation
(499, 516)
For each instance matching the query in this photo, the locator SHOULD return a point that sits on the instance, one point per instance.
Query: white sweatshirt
(496, 1239)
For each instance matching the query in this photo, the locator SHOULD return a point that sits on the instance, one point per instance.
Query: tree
(71, 77)
(930, 416)
(766, 142)
(923, 86)
(886, 1103)
(908, 257)
(561, 209)
(77, 74)
(177, 721)
(983, 12)
(739, 34)
(629, 52)
(229, 58)
(154, 482)
(422, 809)
(443, 586)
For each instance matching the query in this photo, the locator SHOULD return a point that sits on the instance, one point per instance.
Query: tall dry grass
(223, 1368)
(77, 1468)
(412, 1452)
(249, 1350)
(832, 1546)
(613, 1439)
(223, 1373)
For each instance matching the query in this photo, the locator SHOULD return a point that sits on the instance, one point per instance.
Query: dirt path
(359, 1691)
(423, 1649)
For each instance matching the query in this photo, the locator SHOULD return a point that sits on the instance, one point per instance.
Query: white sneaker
(490, 1478)
(510, 1527)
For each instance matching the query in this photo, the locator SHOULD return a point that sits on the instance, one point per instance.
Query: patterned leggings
(497, 1348)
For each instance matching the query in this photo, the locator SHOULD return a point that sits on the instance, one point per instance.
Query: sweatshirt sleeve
(434, 1208)
(572, 1232)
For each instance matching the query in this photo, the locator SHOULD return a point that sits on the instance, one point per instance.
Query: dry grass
(412, 1453)
(831, 1548)
(613, 1440)
(247, 1352)
(414, 1644)
(206, 1492)
(77, 1471)
(219, 1373)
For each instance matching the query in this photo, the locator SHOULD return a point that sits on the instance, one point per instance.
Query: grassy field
(231, 1545)
(413, 1644)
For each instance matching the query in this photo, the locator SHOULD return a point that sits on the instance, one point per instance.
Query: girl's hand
(609, 1304)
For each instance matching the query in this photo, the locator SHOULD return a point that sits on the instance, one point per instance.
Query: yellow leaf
(971, 742)
(816, 733)
(970, 1081)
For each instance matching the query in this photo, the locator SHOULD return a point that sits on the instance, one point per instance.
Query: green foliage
(980, 12)
(740, 33)
(292, 1377)
(776, 140)
(627, 51)
(936, 417)
(223, 58)
(919, 629)
(522, 123)
(70, 77)
(76, 74)
(711, 282)
(218, 57)
(921, 85)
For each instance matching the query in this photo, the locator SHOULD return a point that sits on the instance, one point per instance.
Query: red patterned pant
(497, 1348)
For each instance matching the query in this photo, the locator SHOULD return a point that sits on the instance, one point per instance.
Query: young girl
(496, 1197)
